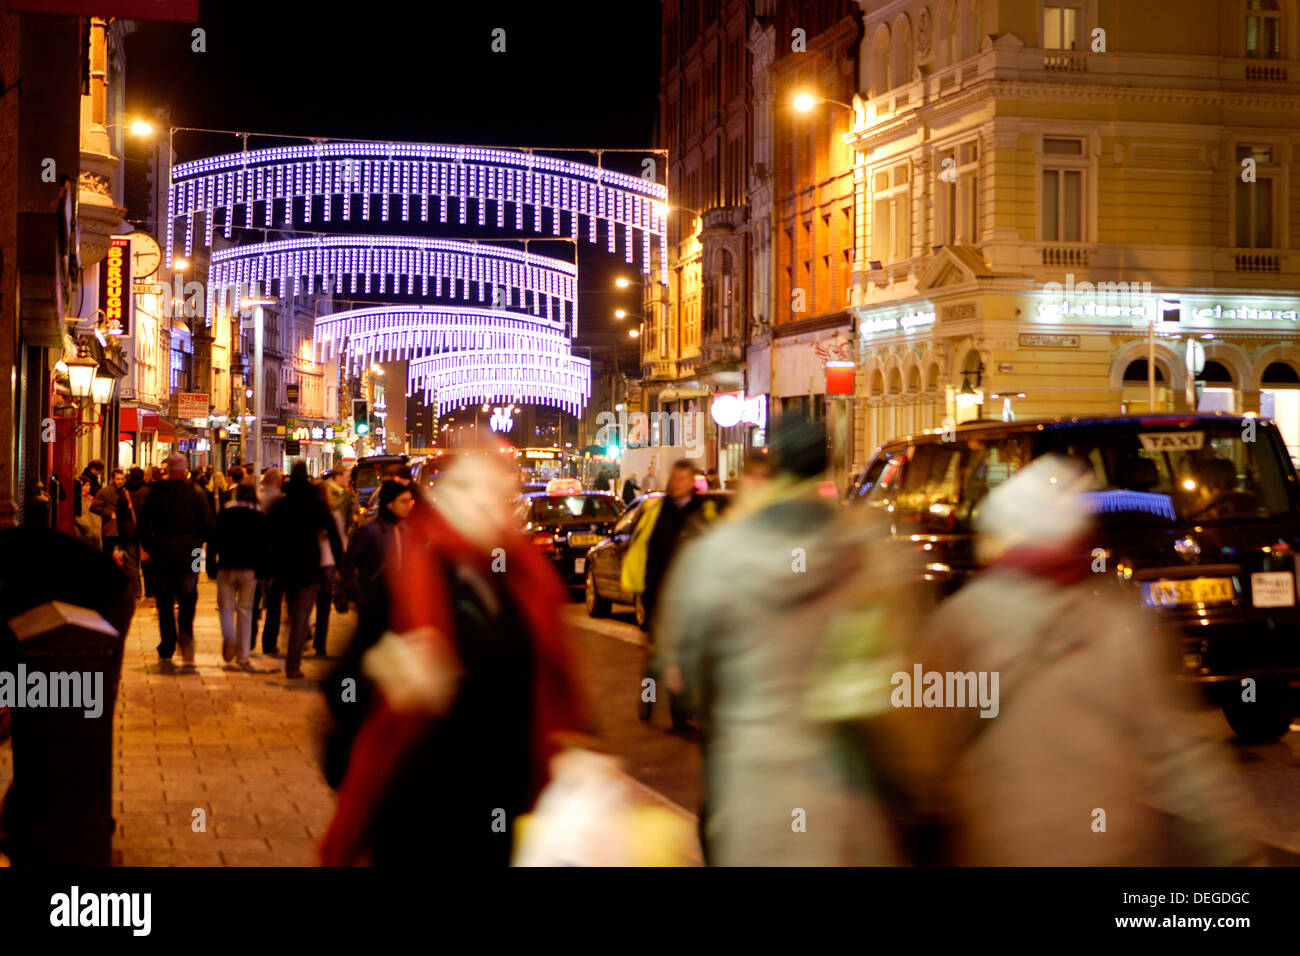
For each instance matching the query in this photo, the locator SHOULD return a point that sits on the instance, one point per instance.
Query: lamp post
(259, 408)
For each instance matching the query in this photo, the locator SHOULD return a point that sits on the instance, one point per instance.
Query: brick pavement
(241, 747)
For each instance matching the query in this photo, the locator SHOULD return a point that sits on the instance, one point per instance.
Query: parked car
(370, 471)
(604, 576)
(565, 525)
(1196, 516)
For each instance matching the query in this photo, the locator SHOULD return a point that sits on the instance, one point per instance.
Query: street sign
(191, 404)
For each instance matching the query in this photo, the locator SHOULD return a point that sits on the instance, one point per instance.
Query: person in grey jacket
(743, 611)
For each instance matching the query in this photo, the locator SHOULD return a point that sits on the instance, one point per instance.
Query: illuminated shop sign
(905, 323)
(115, 286)
(1160, 308)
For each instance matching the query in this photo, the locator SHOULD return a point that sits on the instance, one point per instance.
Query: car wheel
(641, 621)
(597, 606)
(1261, 721)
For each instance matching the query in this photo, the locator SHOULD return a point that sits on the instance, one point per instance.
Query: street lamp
(81, 374)
(622, 282)
(258, 303)
(101, 389)
(804, 102)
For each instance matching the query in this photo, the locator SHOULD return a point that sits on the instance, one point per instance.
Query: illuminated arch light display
(502, 375)
(397, 333)
(495, 178)
(544, 281)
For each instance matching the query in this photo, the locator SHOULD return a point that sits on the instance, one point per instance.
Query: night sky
(579, 74)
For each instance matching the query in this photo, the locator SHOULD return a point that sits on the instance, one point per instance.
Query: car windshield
(1204, 471)
(367, 475)
(571, 507)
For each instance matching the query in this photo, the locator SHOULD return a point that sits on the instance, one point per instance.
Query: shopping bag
(587, 816)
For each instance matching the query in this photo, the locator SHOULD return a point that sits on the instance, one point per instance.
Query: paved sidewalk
(240, 747)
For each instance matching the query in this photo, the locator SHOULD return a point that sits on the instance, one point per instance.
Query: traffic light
(360, 416)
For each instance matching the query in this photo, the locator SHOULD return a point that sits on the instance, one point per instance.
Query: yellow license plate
(581, 539)
(1166, 593)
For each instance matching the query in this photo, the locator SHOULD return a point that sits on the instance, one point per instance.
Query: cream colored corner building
(1138, 156)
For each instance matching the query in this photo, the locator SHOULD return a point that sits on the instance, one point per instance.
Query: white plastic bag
(581, 817)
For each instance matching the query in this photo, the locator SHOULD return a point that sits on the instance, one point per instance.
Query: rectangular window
(1253, 201)
(1063, 190)
(1060, 28)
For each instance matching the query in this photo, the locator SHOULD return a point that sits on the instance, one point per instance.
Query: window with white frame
(1253, 210)
(1263, 29)
(957, 193)
(891, 233)
(1061, 23)
(1064, 172)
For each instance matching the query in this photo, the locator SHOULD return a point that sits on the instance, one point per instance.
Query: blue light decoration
(1120, 500)
(550, 285)
(478, 175)
(464, 355)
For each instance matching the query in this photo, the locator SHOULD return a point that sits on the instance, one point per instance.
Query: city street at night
(846, 451)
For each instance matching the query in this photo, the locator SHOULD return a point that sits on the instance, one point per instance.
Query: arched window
(1263, 29)
(1215, 373)
(880, 61)
(947, 34)
(1137, 372)
(901, 71)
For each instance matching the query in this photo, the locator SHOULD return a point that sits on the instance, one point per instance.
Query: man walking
(269, 595)
(241, 552)
(105, 505)
(296, 523)
(175, 524)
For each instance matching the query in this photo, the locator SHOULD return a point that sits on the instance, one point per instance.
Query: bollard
(69, 662)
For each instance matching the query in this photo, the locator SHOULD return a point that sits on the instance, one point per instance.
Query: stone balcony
(99, 216)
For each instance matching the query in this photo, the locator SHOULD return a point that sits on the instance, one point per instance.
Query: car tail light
(543, 542)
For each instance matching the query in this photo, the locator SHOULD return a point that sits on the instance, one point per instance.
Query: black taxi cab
(1195, 516)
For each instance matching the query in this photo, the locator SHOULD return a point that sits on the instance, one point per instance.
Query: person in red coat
(475, 687)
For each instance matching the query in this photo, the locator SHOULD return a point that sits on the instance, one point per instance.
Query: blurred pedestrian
(375, 548)
(241, 553)
(741, 616)
(630, 489)
(268, 597)
(92, 476)
(295, 525)
(711, 479)
(128, 527)
(105, 505)
(330, 572)
(173, 528)
(665, 523)
(1081, 758)
(651, 481)
(474, 685)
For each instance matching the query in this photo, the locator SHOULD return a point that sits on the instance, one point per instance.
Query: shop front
(1043, 351)
(138, 437)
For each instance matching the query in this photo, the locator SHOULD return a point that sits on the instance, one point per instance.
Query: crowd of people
(272, 545)
(779, 630)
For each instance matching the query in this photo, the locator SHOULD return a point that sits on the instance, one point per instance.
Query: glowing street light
(622, 282)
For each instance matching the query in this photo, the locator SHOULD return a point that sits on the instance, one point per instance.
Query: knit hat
(1040, 506)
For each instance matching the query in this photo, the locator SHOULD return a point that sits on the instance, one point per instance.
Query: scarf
(418, 586)
(1066, 563)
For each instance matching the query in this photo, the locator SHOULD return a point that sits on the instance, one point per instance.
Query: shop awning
(139, 420)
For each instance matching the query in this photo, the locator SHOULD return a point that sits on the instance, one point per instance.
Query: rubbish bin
(69, 661)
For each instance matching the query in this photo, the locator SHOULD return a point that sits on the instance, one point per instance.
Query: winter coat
(241, 542)
(294, 526)
(175, 522)
(743, 612)
(1087, 721)
(105, 505)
